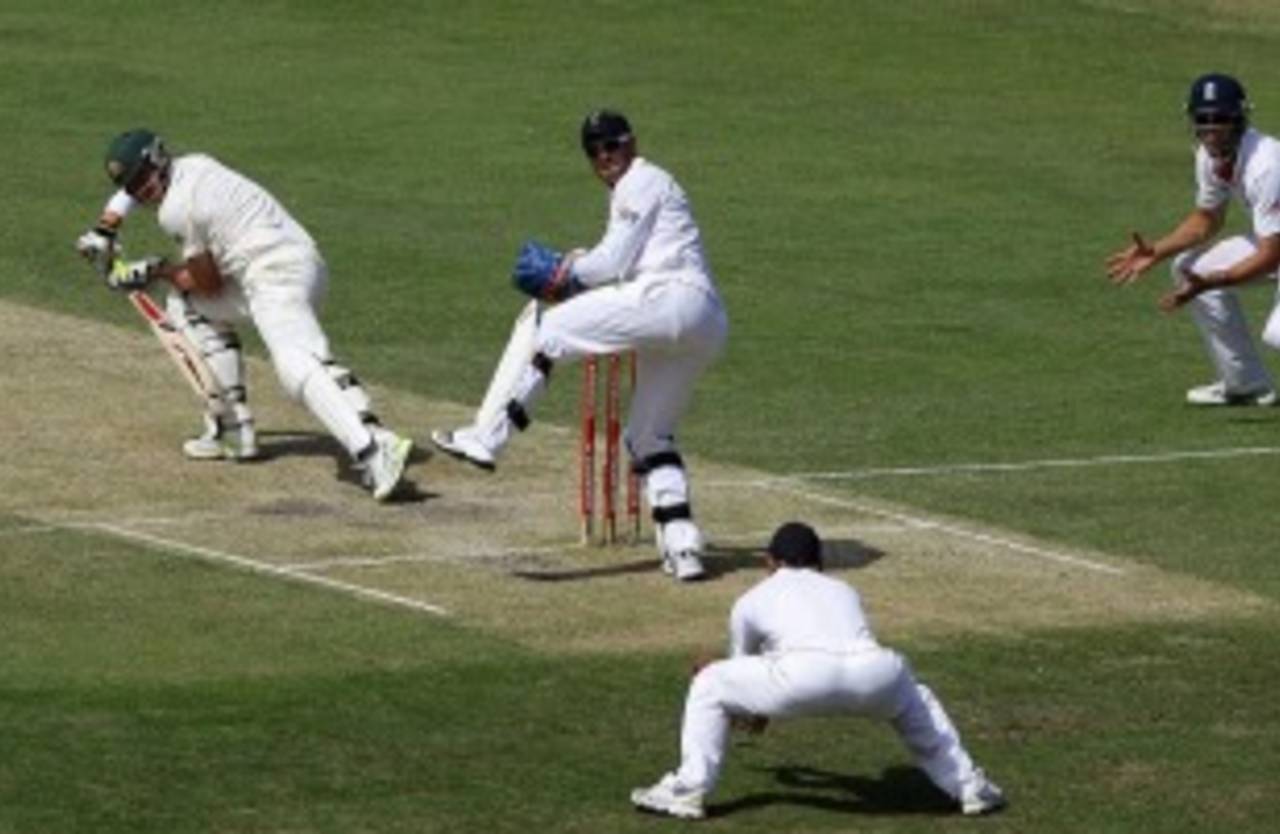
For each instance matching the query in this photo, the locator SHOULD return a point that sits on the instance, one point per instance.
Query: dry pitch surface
(93, 416)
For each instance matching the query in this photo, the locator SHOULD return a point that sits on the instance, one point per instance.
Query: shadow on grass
(836, 553)
(579, 574)
(897, 791)
(718, 560)
(310, 444)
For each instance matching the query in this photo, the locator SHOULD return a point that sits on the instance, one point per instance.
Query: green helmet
(131, 152)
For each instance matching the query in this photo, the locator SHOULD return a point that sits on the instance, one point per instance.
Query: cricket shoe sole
(463, 445)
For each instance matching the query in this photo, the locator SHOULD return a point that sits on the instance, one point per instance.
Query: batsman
(645, 287)
(242, 256)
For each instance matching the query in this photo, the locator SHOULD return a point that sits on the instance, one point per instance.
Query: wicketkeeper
(645, 287)
(243, 256)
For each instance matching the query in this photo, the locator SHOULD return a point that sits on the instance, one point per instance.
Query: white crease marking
(267, 568)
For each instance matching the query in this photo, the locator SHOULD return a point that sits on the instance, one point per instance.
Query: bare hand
(1191, 286)
(1127, 265)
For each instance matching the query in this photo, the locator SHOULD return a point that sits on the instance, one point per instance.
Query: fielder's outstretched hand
(1127, 265)
(1191, 286)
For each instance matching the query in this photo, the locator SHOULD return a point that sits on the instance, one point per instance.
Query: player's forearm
(116, 210)
(1198, 227)
(198, 275)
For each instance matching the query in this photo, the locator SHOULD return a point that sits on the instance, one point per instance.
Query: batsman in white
(242, 257)
(800, 645)
(645, 287)
(1231, 157)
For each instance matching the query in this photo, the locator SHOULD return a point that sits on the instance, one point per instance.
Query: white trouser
(675, 325)
(281, 297)
(1220, 317)
(876, 683)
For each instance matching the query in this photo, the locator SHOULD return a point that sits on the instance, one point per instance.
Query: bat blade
(190, 361)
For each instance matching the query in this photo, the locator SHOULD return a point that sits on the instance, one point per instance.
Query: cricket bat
(190, 361)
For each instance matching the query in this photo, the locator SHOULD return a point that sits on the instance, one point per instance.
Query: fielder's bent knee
(1271, 336)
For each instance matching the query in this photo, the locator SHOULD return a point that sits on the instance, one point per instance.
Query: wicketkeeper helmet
(603, 126)
(131, 152)
(1217, 99)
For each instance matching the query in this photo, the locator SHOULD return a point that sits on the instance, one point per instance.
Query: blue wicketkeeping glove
(542, 272)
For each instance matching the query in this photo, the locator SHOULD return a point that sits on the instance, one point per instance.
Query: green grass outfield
(906, 205)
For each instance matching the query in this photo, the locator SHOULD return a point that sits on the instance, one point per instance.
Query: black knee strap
(346, 380)
(644, 466)
(676, 512)
(543, 363)
(518, 416)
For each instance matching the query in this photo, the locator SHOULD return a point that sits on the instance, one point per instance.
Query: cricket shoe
(463, 444)
(383, 468)
(981, 796)
(1216, 393)
(684, 565)
(223, 441)
(671, 798)
(680, 541)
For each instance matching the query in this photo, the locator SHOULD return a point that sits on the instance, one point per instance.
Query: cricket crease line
(1023, 466)
(423, 558)
(256, 566)
(926, 524)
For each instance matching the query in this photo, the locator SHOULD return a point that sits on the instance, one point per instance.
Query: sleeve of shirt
(1211, 192)
(631, 217)
(743, 637)
(120, 204)
(1266, 206)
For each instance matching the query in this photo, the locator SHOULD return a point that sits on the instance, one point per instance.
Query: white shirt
(651, 230)
(210, 208)
(798, 609)
(1255, 180)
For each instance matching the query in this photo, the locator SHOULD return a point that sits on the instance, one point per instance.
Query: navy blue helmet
(604, 127)
(1216, 98)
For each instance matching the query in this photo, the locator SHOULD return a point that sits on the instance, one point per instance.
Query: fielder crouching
(243, 256)
(645, 287)
(800, 645)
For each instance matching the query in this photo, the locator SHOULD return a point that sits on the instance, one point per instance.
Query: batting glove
(98, 246)
(132, 275)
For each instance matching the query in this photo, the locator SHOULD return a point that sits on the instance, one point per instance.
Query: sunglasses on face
(1211, 119)
(606, 145)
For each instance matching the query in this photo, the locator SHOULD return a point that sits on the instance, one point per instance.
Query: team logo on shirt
(628, 215)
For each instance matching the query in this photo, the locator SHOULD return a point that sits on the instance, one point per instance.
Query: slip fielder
(800, 645)
(1230, 158)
